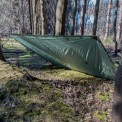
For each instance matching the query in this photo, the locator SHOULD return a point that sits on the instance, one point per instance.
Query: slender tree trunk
(35, 16)
(64, 17)
(121, 41)
(15, 5)
(42, 17)
(96, 17)
(1, 54)
(59, 16)
(75, 11)
(23, 17)
(108, 19)
(117, 98)
(30, 15)
(119, 30)
(83, 17)
(114, 27)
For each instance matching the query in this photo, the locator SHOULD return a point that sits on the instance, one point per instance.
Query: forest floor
(54, 95)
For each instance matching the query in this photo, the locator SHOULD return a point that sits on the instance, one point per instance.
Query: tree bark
(64, 17)
(23, 17)
(83, 17)
(96, 17)
(117, 97)
(35, 16)
(114, 28)
(15, 5)
(1, 54)
(42, 17)
(75, 11)
(119, 30)
(30, 15)
(59, 16)
(108, 19)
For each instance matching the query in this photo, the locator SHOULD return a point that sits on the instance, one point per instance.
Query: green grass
(101, 116)
(103, 96)
(66, 74)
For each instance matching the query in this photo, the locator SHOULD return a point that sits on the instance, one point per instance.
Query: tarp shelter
(81, 53)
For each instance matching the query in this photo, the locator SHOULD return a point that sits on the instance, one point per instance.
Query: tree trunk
(42, 17)
(23, 17)
(31, 16)
(83, 17)
(35, 16)
(108, 19)
(96, 17)
(64, 17)
(59, 16)
(1, 54)
(117, 98)
(119, 30)
(75, 11)
(15, 5)
(114, 27)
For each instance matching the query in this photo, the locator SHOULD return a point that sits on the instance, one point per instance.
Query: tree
(42, 17)
(75, 11)
(96, 12)
(117, 98)
(108, 19)
(119, 29)
(83, 16)
(34, 8)
(30, 15)
(59, 16)
(1, 54)
(64, 17)
(15, 5)
(115, 27)
(33, 15)
(23, 17)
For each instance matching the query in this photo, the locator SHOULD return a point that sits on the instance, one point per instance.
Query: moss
(58, 110)
(66, 74)
(46, 88)
(100, 116)
(20, 111)
(103, 96)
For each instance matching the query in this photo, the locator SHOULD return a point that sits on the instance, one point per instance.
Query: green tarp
(81, 53)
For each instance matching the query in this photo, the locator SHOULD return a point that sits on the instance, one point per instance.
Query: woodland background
(39, 17)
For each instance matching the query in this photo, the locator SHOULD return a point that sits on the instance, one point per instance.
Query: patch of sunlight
(12, 44)
(25, 56)
(71, 74)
